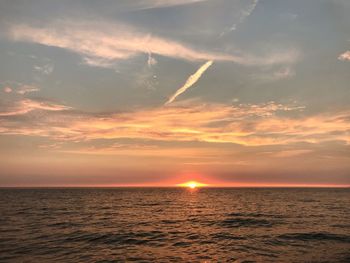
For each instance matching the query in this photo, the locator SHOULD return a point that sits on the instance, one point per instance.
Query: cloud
(101, 43)
(98, 62)
(23, 89)
(27, 105)
(190, 81)
(7, 90)
(117, 42)
(19, 88)
(282, 73)
(243, 15)
(243, 124)
(149, 4)
(137, 149)
(151, 61)
(291, 153)
(44, 69)
(345, 56)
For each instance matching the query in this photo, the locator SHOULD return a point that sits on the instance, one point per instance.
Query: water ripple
(174, 225)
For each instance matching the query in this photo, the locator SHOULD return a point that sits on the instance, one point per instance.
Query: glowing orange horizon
(227, 185)
(192, 184)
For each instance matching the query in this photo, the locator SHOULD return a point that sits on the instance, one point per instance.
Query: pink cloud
(345, 56)
(7, 90)
(27, 105)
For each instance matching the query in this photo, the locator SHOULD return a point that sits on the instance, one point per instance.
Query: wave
(227, 236)
(246, 222)
(255, 215)
(315, 236)
(137, 238)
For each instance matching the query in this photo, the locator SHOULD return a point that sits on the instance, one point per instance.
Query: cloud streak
(190, 81)
(149, 4)
(243, 15)
(27, 89)
(19, 88)
(102, 43)
(95, 41)
(27, 105)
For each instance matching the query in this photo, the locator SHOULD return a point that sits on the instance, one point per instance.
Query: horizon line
(178, 186)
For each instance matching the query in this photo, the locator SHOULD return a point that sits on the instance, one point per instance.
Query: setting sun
(192, 184)
(175, 130)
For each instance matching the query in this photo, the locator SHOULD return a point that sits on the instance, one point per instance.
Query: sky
(155, 92)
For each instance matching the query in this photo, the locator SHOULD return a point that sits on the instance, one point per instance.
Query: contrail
(244, 14)
(190, 81)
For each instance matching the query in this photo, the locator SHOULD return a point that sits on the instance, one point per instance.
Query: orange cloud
(251, 125)
(142, 150)
(27, 105)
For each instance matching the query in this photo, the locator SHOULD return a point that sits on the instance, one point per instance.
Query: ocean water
(174, 225)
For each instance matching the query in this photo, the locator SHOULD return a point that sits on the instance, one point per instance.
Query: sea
(175, 225)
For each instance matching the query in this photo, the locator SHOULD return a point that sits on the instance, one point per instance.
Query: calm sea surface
(174, 225)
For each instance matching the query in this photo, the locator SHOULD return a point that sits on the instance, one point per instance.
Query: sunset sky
(152, 92)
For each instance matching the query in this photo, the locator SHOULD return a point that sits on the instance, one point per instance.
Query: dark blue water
(174, 225)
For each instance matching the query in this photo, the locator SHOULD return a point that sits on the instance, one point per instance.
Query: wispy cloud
(136, 149)
(149, 4)
(279, 74)
(27, 105)
(46, 69)
(291, 153)
(345, 56)
(19, 88)
(98, 62)
(244, 124)
(102, 43)
(23, 89)
(151, 60)
(117, 42)
(190, 81)
(245, 12)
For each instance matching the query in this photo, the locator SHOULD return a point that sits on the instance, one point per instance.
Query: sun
(192, 184)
